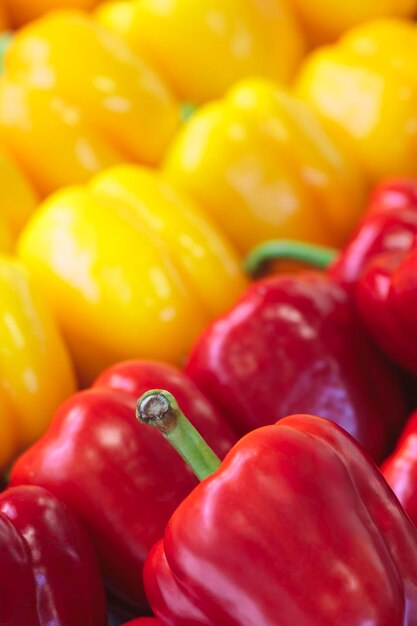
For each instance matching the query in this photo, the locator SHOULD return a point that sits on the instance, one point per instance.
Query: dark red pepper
(48, 571)
(293, 344)
(145, 621)
(296, 527)
(123, 482)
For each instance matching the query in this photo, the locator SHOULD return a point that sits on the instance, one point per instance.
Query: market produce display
(157, 159)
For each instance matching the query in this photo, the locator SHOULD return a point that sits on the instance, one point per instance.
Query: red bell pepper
(292, 344)
(48, 571)
(296, 526)
(386, 297)
(124, 483)
(400, 469)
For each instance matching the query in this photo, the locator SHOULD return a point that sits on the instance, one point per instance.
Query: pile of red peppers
(274, 512)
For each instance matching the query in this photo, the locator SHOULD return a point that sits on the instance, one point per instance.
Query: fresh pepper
(48, 574)
(326, 20)
(400, 469)
(68, 116)
(292, 344)
(261, 164)
(296, 526)
(19, 200)
(123, 482)
(203, 47)
(36, 373)
(365, 90)
(131, 268)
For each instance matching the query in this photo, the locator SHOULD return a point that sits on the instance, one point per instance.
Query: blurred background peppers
(260, 162)
(36, 373)
(67, 117)
(202, 48)
(18, 200)
(131, 267)
(365, 90)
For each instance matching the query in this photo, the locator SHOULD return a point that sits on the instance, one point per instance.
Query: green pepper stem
(158, 408)
(5, 41)
(187, 110)
(319, 257)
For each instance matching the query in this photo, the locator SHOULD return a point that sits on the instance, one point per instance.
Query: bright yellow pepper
(18, 201)
(131, 267)
(365, 89)
(68, 116)
(326, 20)
(36, 374)
(261, 164)
(20, 11)
(204, 46)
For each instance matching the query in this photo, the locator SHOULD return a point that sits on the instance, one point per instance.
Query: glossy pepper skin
(121, 478)
(292, 344)
(36, 372)
(19, 200)
(379, 266)
(68, 117)
(400, 469)
(260, 162)
(386, 297)
(49, 574)
(136, 263)
(388, 226)
(364, 89)
(307, 514)
(251, 38)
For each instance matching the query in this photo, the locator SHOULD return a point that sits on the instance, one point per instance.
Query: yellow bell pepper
(131, 267)
(21, 11)
(36, 374)
(326, 20)
(365, 90)
(261, 164)
(203, 46)
(18, 201)
(68, 116)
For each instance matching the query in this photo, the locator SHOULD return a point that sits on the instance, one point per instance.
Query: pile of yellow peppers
(147, 145)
